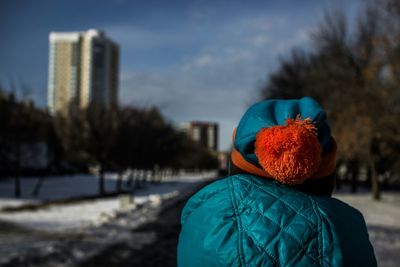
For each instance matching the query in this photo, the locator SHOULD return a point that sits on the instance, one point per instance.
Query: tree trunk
(38, 186)
(376, 190)
(101, 181)
(119, 182)
(17, 189)
(130, 179)
(354, 175)
(153, 176)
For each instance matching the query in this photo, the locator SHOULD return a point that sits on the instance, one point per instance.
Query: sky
(196, 60)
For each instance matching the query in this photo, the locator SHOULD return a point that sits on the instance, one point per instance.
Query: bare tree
(354, 74)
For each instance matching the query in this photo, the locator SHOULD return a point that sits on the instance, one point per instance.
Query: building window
(196, 133)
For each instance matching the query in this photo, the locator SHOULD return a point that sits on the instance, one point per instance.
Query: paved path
(162, 252)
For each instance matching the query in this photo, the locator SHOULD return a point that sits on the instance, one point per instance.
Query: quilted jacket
(244, 220)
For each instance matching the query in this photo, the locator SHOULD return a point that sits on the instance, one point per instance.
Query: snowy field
(383, 221)
(79, 214)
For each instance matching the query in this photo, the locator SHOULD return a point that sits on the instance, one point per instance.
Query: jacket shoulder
(350, 237)
(203, 195)
(209, 233)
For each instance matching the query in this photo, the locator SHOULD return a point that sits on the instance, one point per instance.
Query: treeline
(111, 139)
(354, 72)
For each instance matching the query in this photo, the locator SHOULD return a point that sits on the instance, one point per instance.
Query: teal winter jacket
(244, 220)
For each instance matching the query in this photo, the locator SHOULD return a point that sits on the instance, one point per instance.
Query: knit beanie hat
(286, 140)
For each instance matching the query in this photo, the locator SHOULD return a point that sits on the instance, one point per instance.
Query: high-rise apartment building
(205, 133)
(83, 69)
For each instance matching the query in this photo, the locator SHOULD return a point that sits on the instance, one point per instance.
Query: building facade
(205, 133)
(83, 69)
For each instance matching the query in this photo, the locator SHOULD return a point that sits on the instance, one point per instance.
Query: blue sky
(196, 60)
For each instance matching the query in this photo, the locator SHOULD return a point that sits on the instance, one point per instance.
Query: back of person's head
(274, 209)
(289, 141)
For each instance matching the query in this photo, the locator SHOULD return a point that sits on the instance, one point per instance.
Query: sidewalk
(164, 232)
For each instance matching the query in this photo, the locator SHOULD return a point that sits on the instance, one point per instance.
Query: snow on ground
(64, 217)
(61, 187)
(22, 246)
(384, 212)
(383, 222)
(78, 215)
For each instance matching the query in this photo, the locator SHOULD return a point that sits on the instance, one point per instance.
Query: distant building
(223, 162)
(205, 133)
(83, 69)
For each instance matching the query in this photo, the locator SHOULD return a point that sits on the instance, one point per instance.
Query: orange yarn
(289, 153)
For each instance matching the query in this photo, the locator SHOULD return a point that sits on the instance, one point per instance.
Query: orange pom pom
(289, 153)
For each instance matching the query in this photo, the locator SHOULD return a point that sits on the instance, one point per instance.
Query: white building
(83, 69)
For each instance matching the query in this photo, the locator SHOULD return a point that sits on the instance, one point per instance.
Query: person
(275, 208)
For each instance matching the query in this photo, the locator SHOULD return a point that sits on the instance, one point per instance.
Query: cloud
(261, 40)
(135, 37)
(204, 60)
